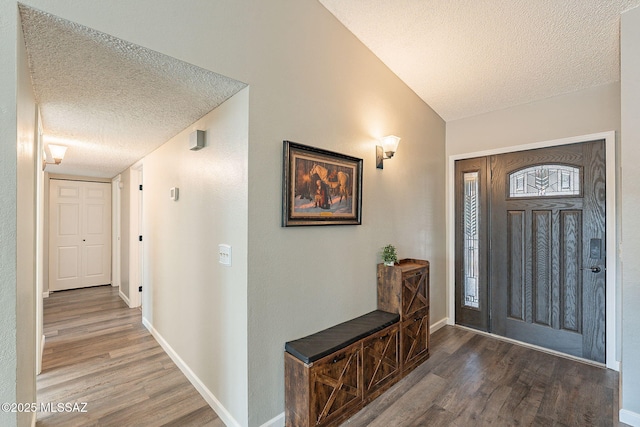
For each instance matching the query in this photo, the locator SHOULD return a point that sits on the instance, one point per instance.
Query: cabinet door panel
(381, 361)
(335, 384)
(414, 292)
(415, 340)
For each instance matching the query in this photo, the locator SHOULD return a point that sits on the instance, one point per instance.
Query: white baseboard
(222, 412)
(277, 421)
(125, 298)
(629, 417)
(45, 294)
(439, 324)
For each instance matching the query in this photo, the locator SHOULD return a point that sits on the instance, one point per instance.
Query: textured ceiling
(109, 101)
(467, 57)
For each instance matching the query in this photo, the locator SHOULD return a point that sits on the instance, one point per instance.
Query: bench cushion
(323, 343)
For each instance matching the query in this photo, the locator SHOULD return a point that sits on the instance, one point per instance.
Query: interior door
(80, 234)
(547, 248)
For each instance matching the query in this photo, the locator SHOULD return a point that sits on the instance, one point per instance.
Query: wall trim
(438, 325)
(277, 421)
(124, 298)
(629, 417)
(45, 294)
(41, 355)
(208, 396)
(612, 309)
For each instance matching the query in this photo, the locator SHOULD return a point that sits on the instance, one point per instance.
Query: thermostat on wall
(173, 193)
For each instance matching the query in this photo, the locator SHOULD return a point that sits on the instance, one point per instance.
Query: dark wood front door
(546, 282)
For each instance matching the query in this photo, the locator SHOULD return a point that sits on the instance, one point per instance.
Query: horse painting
(342, 184)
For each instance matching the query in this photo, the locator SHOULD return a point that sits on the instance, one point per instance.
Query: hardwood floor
(476, 380)
(98, 352)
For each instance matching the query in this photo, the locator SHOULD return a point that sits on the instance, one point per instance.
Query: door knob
(594, 269)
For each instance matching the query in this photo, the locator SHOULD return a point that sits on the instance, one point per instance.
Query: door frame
(612, 292)
(136, 260)
(116, 234)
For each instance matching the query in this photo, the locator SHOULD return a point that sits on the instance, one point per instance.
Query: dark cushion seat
(320, 344)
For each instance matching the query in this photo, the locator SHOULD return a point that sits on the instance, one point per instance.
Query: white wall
(8, 218)
(198, 306)
(630, 197)
(313, 82)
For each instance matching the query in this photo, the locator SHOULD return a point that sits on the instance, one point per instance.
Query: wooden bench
(331, 374)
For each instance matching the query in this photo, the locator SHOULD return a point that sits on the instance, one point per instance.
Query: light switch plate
(225, 254)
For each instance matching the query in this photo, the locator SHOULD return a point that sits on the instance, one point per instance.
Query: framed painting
(320, 187)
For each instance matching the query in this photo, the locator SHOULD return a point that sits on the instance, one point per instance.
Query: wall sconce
(57, 153)
(386, 150)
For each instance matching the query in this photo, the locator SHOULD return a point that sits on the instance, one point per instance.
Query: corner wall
(630, 197)
(196, 305)
(9, 24)
(125, 232)
(26, 234)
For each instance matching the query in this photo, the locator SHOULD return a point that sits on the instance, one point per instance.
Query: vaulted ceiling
(467, 57)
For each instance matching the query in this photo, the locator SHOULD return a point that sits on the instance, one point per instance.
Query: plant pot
(389, 263)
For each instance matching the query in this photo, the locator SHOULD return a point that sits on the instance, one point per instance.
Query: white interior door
(80, 234)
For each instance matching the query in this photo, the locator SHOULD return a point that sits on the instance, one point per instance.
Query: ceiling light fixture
(57, 153)
(386, 150)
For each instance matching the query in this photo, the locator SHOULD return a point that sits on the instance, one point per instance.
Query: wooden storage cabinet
(333, 373)
(404, 289)
(326, 382)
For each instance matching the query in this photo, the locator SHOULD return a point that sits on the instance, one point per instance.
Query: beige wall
(8, 218)
(323, 88)
(580, 113)
(629, 195)
(198, 306)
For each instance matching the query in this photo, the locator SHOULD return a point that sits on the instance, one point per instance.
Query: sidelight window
(471, 233)
(545, 181)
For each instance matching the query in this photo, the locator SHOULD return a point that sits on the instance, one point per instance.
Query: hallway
(97, 351)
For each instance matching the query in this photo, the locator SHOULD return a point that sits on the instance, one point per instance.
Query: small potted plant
(389, 255)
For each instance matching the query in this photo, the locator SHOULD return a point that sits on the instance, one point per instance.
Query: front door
(546, 211)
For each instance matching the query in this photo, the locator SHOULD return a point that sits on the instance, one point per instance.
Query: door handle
(594, 269)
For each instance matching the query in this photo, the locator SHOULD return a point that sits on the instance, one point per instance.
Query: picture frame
(320, 187)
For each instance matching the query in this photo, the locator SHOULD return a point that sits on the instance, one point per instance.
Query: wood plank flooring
(98, 352)
(476, 380)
